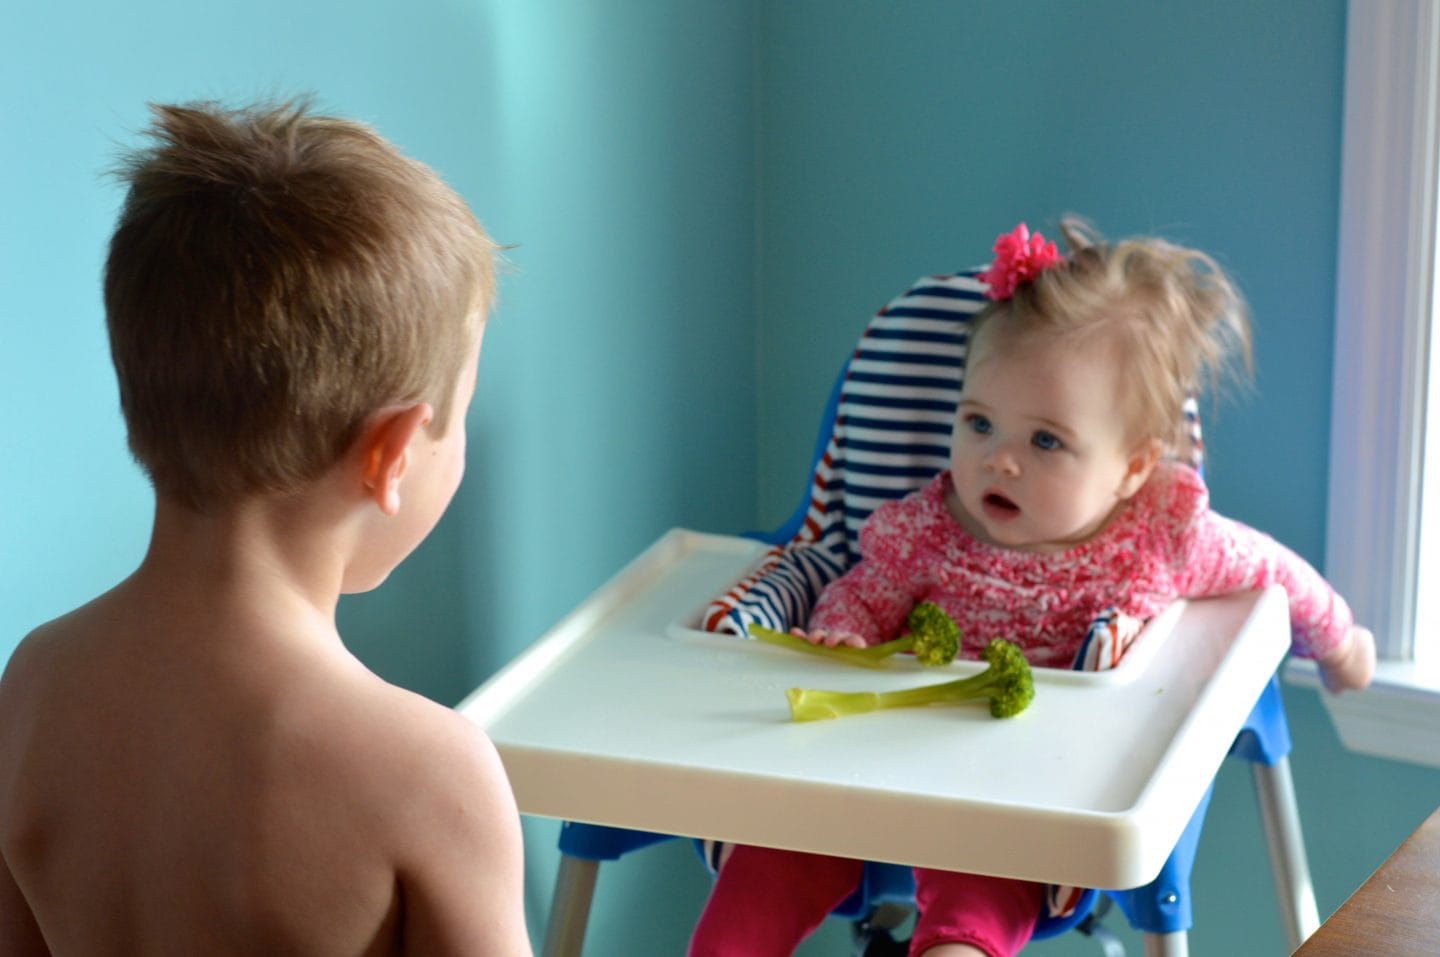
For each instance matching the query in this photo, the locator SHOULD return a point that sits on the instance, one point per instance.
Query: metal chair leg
(1275, 792)
(570, 907)
(872, 935)
(1175, 944)
(1093, 926)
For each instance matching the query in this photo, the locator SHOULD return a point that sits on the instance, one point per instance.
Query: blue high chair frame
(1162, 909)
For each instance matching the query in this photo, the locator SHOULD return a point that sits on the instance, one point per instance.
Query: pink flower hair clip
(1019, 257)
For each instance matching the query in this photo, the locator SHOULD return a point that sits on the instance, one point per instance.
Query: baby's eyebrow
(1054, 426)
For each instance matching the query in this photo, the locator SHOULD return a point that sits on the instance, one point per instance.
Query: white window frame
(1385, 305)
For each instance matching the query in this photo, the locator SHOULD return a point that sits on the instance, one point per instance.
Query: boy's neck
(267, 560)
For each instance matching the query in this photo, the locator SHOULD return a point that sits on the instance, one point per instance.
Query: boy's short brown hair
(275, 278)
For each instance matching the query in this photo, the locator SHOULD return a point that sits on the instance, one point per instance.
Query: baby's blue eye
(1045, 441)
(979, 424)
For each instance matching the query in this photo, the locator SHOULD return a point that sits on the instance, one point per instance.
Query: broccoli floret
(933, 637)
(1007, 683)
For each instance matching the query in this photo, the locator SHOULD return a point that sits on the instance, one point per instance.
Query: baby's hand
(829, 639)
(1350, 666)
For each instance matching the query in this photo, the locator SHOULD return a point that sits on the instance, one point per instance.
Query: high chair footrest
(599, 842)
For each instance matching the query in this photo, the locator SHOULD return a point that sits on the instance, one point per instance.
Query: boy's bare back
(177, 785)
(193, 763)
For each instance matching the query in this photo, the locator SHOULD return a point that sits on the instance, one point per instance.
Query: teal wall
(706, 201)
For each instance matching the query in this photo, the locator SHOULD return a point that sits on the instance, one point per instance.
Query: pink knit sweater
(1167, 544)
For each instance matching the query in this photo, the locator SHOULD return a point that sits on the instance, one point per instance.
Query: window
(1382, 541)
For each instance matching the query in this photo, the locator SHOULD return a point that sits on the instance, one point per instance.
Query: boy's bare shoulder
(26, 676)
(321, 705)
(432, 777)
(459, 857)
(422, 742)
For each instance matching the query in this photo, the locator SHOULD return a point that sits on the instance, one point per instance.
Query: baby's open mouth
(999, 505)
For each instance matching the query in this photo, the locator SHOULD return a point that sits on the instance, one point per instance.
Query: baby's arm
(1223, 556)
(463, 882)
(868, 604)
(865, 606)
(1351, 665)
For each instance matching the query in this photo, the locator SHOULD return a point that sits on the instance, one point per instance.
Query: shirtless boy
(192, 763)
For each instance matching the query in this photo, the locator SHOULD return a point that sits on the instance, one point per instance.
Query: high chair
(887, 432)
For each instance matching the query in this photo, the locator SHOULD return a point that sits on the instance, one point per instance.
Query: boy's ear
(385, 452)
(1143, 459)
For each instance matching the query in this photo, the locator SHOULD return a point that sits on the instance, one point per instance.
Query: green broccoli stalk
(861, 657)
(1008, 684)
(932, 636)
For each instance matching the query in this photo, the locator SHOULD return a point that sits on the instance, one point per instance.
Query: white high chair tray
(625, 714)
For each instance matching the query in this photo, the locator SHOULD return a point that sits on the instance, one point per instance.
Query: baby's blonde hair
(1172, 315)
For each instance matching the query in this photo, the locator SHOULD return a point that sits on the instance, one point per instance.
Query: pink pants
(766, 901)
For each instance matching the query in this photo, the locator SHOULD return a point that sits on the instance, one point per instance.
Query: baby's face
(1040, 455)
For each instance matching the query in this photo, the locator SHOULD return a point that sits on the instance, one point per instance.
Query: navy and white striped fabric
(890, 436)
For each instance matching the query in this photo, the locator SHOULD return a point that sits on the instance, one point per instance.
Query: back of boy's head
(277, 277)
(1169, 313)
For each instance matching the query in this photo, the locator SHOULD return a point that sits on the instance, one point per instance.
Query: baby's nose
(1002, 461)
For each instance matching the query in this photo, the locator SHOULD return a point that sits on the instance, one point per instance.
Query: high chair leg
(1175, 944)
(1275, 792)
(570, 906)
